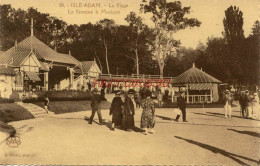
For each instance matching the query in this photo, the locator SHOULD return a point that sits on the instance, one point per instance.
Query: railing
(142, 76)
(199, 98)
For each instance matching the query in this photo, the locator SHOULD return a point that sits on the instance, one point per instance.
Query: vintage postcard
(129, 82)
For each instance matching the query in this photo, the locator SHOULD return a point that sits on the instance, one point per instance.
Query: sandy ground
(208, 138)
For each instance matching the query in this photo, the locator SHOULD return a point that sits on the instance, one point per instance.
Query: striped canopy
(202, 86)
(194, 75)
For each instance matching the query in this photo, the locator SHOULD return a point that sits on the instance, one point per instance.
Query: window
(19, 79)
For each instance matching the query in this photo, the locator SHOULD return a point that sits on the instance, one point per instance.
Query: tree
(168, 18)
(233, 24)
(234, 35)
(136, 26)
(256, 28)
(107, 30)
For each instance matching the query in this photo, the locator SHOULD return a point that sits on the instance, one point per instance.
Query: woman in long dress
(128, 113)
(256, 105)
(148, 114)
(116, 110)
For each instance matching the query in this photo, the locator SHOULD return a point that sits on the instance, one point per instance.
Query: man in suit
(95, 106)
(243, 101)
(228, 99)
(181, 104)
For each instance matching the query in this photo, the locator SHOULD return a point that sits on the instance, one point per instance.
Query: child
(46, 103)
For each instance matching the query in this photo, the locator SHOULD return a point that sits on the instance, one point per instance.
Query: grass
(12, 112)
(60, 107)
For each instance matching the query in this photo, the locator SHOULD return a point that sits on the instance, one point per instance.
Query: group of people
(123, 108)
(249, 106)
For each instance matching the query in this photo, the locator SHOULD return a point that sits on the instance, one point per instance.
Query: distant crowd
(249, 104)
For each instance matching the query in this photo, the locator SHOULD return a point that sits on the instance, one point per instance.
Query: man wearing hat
(227, 103)
(243, 102)
(181, 104)
(95, 106)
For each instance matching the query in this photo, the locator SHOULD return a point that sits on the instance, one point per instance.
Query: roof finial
(193, 64)
(69, 52)
(201, 69)
(55, 48)
(31, 26)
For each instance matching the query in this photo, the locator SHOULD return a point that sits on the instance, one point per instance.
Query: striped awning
(32, 76)
(7, 70)
(201, 86)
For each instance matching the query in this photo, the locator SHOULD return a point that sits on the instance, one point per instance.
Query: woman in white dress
(256, 105)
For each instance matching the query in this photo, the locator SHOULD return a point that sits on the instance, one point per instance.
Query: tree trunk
(161, 70)
(137, 61)
(105, 44)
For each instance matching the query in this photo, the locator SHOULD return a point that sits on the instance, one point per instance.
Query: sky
(209, 12)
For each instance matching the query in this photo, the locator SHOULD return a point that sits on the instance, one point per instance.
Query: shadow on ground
(213, 149)
(198, 113)
(164, 118)
(251, 133)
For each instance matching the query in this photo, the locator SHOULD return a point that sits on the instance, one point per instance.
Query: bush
(68, 95)
(2, 100)
(65, 95)
(32, 100)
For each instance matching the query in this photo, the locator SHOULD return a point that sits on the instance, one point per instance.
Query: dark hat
(131, 91)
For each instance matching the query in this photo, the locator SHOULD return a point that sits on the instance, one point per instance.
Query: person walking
(228, 104)
(255, 103)
(160, 98)
(128, 112)
(137, 100)
(95, 106)
(89, 86)
(243, 102)
(46, 102)
(116, 110)
(148, 114)
(181, 104)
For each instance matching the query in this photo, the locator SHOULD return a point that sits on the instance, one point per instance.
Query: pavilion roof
(18, 53)
(194, 75)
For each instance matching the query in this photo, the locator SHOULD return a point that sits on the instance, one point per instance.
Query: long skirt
(127, 122)
(147, 119)
(117, 117)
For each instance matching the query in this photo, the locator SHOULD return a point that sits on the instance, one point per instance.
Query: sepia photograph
(130, 82)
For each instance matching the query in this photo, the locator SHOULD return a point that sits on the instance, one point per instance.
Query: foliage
(233, 24)
(3, 100)
(168, 18)
(231, 58)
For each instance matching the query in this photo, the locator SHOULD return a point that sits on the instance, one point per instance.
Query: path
(207, 139)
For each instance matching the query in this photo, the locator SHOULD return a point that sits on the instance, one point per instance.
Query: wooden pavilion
(200, 86)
